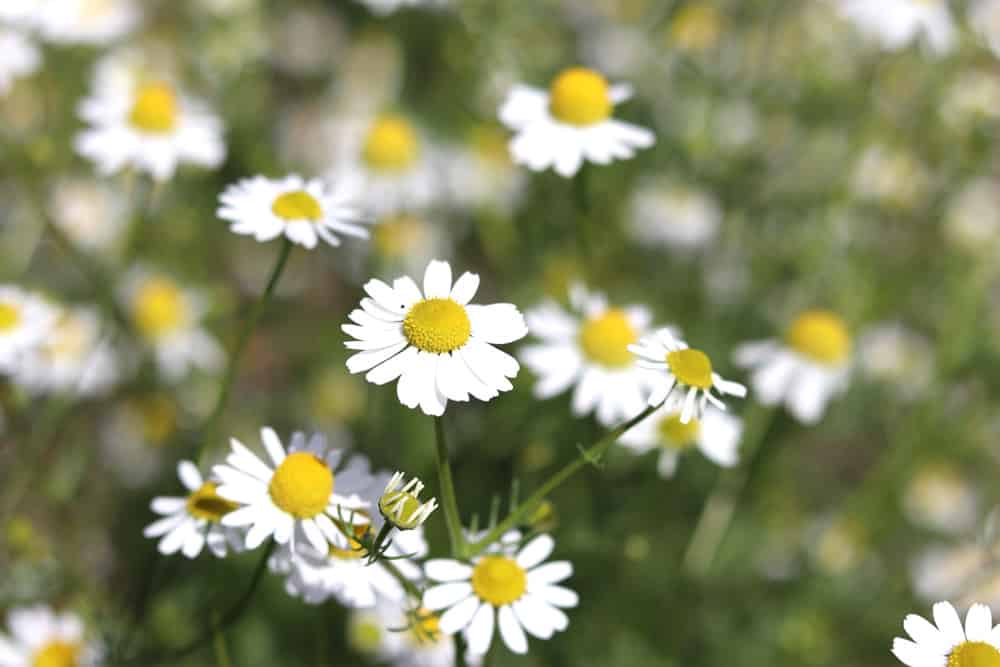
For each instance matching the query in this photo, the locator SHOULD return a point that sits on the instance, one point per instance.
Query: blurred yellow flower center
(426, 626)
(437, 325)
(691, 367)
(365, 636)
(155, 108)
(696, 27)
(391, 144)
(974, 654)
(490, 144)
(821, 336)
(158, 415)
(398, 235)
(206, 503)
(57, 654)
(297, 205)
(354, 550)
(605, 339)
(10, 316)
(301, 486)
(160, 307)
(499, 580)
(580, 96)
(675, 435)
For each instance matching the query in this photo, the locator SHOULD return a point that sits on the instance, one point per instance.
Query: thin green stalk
(448, 501)
(219, 644)
(717, 514)
(587, 456)
(229, 378)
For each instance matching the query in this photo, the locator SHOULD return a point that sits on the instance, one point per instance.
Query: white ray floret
(19, 58)
(946, 642)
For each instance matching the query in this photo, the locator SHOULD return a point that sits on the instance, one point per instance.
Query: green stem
(221, 652)
(587, 456)
(448, 501)
(229, 378)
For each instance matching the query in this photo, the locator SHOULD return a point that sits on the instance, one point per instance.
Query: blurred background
(808, 154)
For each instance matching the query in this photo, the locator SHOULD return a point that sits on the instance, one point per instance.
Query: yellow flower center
(301, 485)
(154, 109)
(499, 580)
(159, 418)
(57, 654)
(437, 325)
(821, 336)
(391, 144)
(675, 435)
(490, 143)
(160, 308)
(397, 235)
(365, 636)
(974, 654)
(206, 503)
(696, 27)
(10, 316)
(580, 96)
(691, 367)
(605, 339)
(297, 205)
(425, 626)
(354, 550)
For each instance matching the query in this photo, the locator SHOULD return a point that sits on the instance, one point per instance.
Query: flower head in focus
(946, 642)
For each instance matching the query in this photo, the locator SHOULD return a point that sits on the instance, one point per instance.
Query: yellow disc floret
(437, 325)
(974, 654)
(160, 307)
(391, 144)
(301, 485)
(425, 626)
(691, 367)
(499, 580)
(821, 336)
(605, 339)
(10, 316)
(57, 654)
(676, 435)
(580, 96)
(154, 109)
(297, 205)
(206, 503)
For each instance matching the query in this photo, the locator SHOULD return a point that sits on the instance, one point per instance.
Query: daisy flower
(19, 58)
(689, 374)
(92, 22)
(438, 345)
(897, 23)
(294, 498)
(386, 7)
(303, 211)
(984, 17)
(506, 587)
(91, 212)
(570, 123)
(588, 348)
(403, 637)
(190, 522)
(716, 434)
(946, 642)
(168, 317)
(40, 637)
(25, 321)
(141, 121)
(805, 370)
(674, 216)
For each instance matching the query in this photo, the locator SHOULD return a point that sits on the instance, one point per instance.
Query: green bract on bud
(400, 503)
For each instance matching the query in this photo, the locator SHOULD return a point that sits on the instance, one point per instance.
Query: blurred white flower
(674, 216)
(142, 120)
(893, 353)
(947, 641)
(974, 96)
(134, 435)
(19, 57)
(386, 7)
(965, 572)
(892, 176)
(408, 242)
(897, 23)
(481, 174)
(438, 345)
(716, 434)
(19, 13)
(192, 521)
(93, 22)
(92, 213)
(984, 17)
(402, 637)
(168, 317)
(570, 123)
(302, 211)
(972, 218)
(512, 588)
(805, 370)
(588, 347)
(26, 321)
(837, 544)
(41, 637)
(938, 497)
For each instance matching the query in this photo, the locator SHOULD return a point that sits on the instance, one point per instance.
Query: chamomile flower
(19, 58)
(588, 348)
(946, 642)
(303, 211)
(804, 371)
(438, 345)
(897, 23)
(716, 434)
(191, 522)
(507, 587)
(91, 212)
(403, 637)
(296, 497)
(41, 637)
(168, 317)
(984, 17)
(400, 503)
(570, 123)
(481, 174)
(689, 375)
(386, 7)
(93, 22)
(21, 13)
(674, 216)
(145, 121)
(134, 435)
(26, 321)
